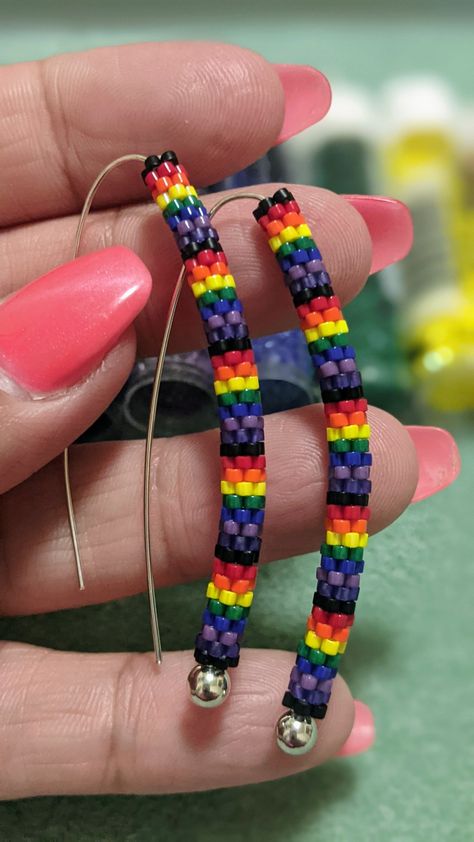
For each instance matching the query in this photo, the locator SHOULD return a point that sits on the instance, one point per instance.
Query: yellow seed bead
(342, 647)
(351, 539)
(332, 538)
(333, 433)
(304, 230)
(351, 431)
(245, 599)
(162, 201)
(260, 489)
(312, 334)
(341, 326)
(229, 281)
(190, 190)
(327, 329)
(220, 387)
(236, 384)
(227, 487)
(288, 234)
(364, 431)
(274, 243)
(363, 539)
(177, 191)
(212, 592)
(245, 489)
(329, 647)
(312, 640)
(251, 382)
(228, 597)
(214, 282)
(198, 288)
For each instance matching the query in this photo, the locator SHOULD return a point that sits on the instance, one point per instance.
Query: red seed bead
(320, 616)
(346, 406)
(150, 179)
(206, 257)
(318, 303)
(259, 462)
(263, 221)
(293, 207)
(351, 512)
(303, 310)
(233, 357)
(335, 511)
(365, 512)
(190, 264)
(276, 211)
(243, 462)
(360, 405)
(249, 572)
(333, 301)
(248, 356)
(166, 168)
(216, 362)
(220, 257)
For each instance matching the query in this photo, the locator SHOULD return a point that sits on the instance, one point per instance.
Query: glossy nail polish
(307, 98)
(438, 457)
(390, 227)
(59, 327)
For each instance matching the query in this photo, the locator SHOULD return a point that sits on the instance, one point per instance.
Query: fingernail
(307, 98)
(439, 462)
(362, 735)
(390, 227)
(59, 327)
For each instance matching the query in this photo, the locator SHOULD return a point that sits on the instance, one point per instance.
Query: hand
(75, 723)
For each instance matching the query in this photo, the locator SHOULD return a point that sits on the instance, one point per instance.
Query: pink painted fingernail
(439, 462)
(59, 327)
(362, 736)
(390, 227)
(307, 98)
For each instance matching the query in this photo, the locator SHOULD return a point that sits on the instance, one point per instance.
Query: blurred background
(401, 124)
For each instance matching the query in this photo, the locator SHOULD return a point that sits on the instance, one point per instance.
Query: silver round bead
(296, 734)
(209, 686)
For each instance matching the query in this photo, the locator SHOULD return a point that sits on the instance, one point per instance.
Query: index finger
(220, 106)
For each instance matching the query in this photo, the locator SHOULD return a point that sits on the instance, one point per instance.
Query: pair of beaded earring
(242, 451)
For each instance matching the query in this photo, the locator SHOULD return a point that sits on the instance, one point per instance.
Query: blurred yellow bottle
(437, 278)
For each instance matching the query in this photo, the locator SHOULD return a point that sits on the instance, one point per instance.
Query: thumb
(65, 351)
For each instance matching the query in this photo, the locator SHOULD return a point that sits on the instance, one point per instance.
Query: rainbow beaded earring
(243, 484)
(243, 487)
(338, 574)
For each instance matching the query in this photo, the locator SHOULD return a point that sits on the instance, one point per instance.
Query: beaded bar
(338, 575)
(243, 479)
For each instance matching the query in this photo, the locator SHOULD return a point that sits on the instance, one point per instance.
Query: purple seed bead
(231, 527)
(325, 686)
(321, 574)
(327, 369)
(230, 424)
(249, 422)
(297, 690)
(216, 649)
(336, 578)
(346, 366)
(228, 638)
(315, 266)
(296, 273)
(361, 473)
(342, 472)
(308, 682)
(295, 674)
(209, 633)
(233, 317)
(200, 643)
(352, 581)
(250, 530)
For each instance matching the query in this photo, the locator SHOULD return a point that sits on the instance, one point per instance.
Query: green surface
(410, 659)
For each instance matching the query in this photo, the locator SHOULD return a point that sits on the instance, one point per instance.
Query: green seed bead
(208, 298)
(356, 554)
(333, 661)
(319, 345)
(174, 207)
(285, 250)
(360, 445)
(317, 657)
(227, 294)
(340, 339)
(339, 552)
(192, 202)
(302, 649)
(254, 501)
(216, 607)
(339, 446)
(249, 396)
(232, 501)
(234, 612)
(305, 243)
(227, 399)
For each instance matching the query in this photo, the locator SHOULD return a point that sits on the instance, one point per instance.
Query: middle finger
(29, 251)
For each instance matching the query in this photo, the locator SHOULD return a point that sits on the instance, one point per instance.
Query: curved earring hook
(77, 242)
(155, 628)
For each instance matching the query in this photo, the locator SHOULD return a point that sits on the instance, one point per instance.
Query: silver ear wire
(77, 242)
(155, 629)
(233, 197)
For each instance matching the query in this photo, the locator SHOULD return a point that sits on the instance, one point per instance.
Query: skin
(74, 723)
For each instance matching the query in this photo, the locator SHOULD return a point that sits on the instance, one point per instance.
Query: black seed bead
(219, 663)
(170, 156)
(343, 498)
(334, 606)
(318, 711)
(151, 163)
(223, 345)
(249, 449)
(191, 250)
(263, 208)
(283, 195)
(229, 556)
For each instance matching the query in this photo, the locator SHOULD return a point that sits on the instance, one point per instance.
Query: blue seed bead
(303, 664)
(222, 624)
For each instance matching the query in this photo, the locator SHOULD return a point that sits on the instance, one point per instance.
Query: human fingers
(64, 118)
(82, 724)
